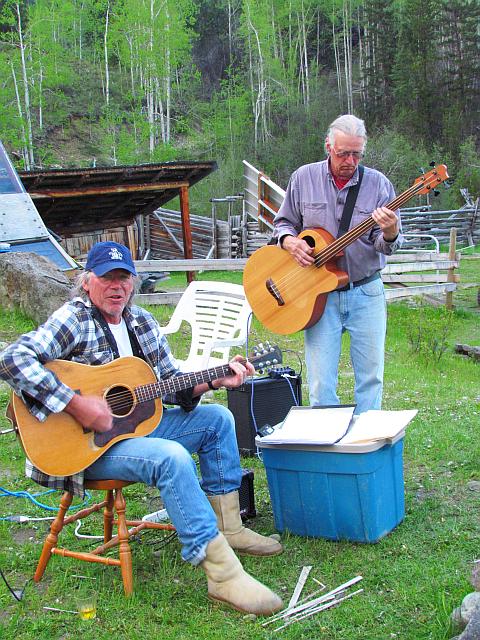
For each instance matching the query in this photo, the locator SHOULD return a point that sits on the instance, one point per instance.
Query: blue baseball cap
(106, 256)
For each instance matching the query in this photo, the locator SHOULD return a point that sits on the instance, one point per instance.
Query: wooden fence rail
(405, 273)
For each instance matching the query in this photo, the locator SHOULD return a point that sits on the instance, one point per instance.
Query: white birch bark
(105, 55)
(26, 92)
(304, 58)
(261, 91)
(337, 62)
(167, 77)
(40, 97)
(25, 155)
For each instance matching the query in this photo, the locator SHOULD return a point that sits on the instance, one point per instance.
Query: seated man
(97, 326)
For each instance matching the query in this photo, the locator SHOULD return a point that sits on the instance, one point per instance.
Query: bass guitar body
(60, 446)
(284, 296)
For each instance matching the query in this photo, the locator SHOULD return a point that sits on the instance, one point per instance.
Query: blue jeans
(362, 312)
(163, 460)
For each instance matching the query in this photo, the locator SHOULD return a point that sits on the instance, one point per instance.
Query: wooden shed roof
(80, 200)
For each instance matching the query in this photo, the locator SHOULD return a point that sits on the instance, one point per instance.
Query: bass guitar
(286, 297)
(61, 446)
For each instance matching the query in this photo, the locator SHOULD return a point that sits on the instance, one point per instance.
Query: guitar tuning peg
(421, 170)
(448, 183)
(436, 192)
(432, 164)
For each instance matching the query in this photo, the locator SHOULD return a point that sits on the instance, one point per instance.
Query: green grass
(413, 578)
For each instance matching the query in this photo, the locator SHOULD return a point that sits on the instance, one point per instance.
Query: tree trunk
(26, 93)
(105, 54)
(22, 121)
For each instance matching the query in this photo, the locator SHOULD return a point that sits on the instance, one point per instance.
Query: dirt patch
(23, 536)
(8, 473)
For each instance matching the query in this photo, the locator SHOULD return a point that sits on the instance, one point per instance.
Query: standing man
(315, 197)
(97, 326)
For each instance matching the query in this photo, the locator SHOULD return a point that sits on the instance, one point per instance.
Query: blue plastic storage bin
(350, 492)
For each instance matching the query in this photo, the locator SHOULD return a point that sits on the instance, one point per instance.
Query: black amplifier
(272, 399)
(246, 495)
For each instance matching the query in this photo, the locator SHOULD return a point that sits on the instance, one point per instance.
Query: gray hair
(84, 276)
(348, 124)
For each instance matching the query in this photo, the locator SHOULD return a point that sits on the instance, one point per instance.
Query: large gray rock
(467, 617)
(469, 604)
(472, 630)
(33, 284)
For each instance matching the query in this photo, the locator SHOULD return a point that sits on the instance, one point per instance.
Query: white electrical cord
(22, 519)
(84, 535)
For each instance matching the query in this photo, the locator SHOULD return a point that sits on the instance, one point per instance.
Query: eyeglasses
(356, 155)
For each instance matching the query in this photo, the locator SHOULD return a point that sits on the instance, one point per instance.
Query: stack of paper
(312, 425)
(378, 425)
(337, 425)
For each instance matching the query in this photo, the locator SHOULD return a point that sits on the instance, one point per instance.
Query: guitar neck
(179, 383)
(333, 249)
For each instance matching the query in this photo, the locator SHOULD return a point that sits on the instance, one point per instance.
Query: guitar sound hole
(120, 400)
(309, 240)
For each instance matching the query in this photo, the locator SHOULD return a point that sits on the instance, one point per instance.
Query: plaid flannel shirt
(75, 332)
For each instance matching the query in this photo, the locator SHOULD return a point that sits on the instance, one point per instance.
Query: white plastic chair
(218, 313)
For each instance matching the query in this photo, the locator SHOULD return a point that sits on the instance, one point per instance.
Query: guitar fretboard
(328, 253)
(155, 390)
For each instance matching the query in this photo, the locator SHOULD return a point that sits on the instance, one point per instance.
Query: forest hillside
(105, 82)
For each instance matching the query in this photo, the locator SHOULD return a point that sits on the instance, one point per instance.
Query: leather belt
(358, 283)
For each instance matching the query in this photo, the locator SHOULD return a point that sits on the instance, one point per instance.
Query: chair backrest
(218, 313)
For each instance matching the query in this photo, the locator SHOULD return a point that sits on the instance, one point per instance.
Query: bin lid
(359, 447)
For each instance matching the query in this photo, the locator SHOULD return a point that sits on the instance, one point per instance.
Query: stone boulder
(33, 284)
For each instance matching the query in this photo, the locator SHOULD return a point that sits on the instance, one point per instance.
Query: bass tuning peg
(432, 164)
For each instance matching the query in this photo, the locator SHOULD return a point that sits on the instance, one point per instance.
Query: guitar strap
(350, 204)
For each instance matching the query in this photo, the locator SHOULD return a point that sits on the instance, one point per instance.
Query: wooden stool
(114, 500)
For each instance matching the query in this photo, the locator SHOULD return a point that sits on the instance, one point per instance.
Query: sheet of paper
(312, 425)
(378, 425)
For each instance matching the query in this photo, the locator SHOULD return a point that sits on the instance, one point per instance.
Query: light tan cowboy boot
(228, 582)
(229, 522)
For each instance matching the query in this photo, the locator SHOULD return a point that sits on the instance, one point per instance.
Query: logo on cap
(115, 254)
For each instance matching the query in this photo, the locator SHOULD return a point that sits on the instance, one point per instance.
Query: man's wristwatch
(210, 386)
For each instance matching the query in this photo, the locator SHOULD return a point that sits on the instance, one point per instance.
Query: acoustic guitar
(286, 297)
(60, 446)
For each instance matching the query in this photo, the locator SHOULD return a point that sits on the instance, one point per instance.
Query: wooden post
(452, 254)
(214, 230)
(259, 194)
(132, 242)
(186, 230)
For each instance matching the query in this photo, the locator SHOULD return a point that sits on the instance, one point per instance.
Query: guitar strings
(152, 390)
(331, 250)
(328, 252)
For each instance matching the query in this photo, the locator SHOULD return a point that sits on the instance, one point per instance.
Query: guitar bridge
(272, 290)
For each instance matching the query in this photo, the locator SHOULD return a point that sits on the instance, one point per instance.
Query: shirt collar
(353, 180)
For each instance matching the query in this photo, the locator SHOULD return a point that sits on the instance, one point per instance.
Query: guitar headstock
(427, 182)
(265, 356)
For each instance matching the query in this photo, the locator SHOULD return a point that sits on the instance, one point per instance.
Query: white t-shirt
(120, 333)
